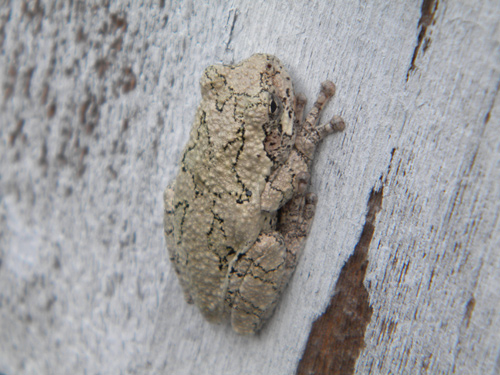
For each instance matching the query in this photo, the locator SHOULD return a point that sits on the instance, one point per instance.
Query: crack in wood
(428, 10)
(337, 337)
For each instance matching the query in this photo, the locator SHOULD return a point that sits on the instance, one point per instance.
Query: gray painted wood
(97, 100)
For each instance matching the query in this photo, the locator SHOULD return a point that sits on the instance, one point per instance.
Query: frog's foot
(309, 134)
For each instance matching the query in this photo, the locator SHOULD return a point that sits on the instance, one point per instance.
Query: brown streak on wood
(469, 309)
(10, 82)
(488, 114)
(118, 22)
(43, 161)
(51, 110)
(117, 44)
(45, 93)
(27, 76)
(337, 336)
(16, 132)
(430, 279)
(101, 65)
(129, 80)
(80, 35)
(428, 10)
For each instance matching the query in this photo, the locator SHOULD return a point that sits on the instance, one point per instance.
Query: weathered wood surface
(96, 101)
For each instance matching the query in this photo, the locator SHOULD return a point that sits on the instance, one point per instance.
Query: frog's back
(217, 210)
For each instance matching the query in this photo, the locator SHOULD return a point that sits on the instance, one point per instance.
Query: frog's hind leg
(294, 224)
(258, 276)
(255, 282)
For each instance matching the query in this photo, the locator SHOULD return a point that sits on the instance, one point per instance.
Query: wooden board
(96, 102)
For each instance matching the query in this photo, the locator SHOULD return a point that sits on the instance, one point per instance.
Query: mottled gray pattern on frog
(238, 213)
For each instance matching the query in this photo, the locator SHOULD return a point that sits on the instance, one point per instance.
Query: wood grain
(96, 103)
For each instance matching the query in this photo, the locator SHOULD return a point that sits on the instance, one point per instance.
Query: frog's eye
(275, 107)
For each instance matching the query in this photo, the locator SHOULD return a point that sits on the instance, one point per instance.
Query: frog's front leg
(284, 181)
(257, 277)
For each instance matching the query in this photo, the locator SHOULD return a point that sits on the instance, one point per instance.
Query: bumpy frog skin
(238, 213)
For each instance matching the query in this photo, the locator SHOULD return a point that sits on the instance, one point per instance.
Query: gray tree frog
(238, 213)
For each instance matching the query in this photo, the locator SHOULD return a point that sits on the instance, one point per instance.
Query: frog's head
(269, 81)
(258, 92)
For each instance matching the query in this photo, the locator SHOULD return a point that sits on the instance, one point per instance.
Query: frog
(238, 213)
